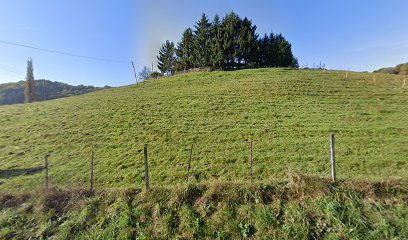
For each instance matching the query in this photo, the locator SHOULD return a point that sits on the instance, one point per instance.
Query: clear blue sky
(357, 35)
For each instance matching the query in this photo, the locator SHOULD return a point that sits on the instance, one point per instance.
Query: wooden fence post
(189, 163)
(146, 168)
(403, 84)
(251, 160)
(92, 171)
(333, 160)
(46, 172)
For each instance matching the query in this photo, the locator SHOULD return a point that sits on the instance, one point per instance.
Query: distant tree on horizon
(29, 91)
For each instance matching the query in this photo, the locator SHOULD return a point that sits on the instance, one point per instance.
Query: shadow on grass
(9, 173)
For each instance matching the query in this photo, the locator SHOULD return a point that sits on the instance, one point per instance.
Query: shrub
(155, 74)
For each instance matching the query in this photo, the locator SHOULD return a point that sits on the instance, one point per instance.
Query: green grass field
(303, 208)
(288, 114)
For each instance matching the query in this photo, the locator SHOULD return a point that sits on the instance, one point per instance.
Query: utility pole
(152, 67)
(134, 71)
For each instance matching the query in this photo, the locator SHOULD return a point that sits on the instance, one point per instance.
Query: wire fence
(148, 169)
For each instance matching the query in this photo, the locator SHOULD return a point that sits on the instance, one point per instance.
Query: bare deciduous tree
(144, 74)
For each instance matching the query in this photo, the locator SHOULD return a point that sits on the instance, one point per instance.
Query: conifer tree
(262, 51)
(230, 43)
(246, 41)
(217, 51)
(231, 26)
(166, 58)
(275, 51)
(184, 50)
(202, 42)
(29, 91)
(282, 54)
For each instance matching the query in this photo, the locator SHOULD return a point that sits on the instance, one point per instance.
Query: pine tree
(217, 51)
(275, 51)
(184, 50)
(247, 39)
(202, 42)
(29, 91)
(262, 51)
(228, 44)
(231, 27)
(283, 53)
(273, 47)
(166, 58)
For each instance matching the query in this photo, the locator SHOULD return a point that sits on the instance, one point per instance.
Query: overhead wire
(63, 53)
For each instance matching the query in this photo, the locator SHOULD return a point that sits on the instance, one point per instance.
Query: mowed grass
(288, 114)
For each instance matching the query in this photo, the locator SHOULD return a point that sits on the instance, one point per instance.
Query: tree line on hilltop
(229, 43)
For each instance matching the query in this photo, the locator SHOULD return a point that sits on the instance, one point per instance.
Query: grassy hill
(400, 69)
(12, 93)
(288, 114)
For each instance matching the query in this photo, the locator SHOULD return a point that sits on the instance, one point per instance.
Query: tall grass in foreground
(302, 208)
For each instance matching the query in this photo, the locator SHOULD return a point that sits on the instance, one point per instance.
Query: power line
(63, 53)
(8, 69)
(11, 71)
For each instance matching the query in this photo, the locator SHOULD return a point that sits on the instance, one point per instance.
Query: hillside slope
(12, 93)
(288, 114)
(400, 69)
